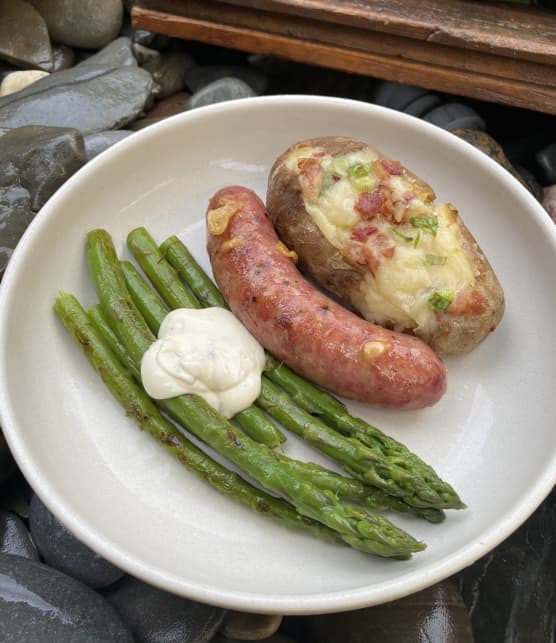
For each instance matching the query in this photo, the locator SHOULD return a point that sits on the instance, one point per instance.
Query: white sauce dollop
(207, 352)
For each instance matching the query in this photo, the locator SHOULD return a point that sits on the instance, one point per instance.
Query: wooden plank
(481, 86)
(512, 31)
(371, 42)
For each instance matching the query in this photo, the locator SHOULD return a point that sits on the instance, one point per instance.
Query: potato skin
(454, 333)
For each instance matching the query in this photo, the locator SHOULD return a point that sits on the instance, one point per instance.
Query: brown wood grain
(371, 42)
(483, 86)
(513, 31)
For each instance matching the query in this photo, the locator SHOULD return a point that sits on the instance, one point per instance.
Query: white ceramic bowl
(492, 434)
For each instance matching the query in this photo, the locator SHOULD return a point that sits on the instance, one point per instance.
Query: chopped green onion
(435, 260)
(428, 224)
(364, 183)
(441, 299)
(358, 170)
(339, 165)
(417, 239)
(405, 237)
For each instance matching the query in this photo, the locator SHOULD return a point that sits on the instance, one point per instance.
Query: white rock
(19, 79)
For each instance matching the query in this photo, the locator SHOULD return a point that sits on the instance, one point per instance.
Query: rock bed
(75, 79)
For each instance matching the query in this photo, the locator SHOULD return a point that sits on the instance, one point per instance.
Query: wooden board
(485, 72)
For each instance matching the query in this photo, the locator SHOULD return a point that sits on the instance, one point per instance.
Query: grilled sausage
(307, 330)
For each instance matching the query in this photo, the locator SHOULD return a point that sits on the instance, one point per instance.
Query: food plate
(491, 435)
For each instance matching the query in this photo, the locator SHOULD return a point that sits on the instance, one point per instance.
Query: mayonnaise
(207, 352)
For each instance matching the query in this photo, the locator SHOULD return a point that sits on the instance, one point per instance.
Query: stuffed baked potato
(370, 231)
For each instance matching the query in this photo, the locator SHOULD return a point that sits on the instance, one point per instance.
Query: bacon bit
(318, 155)
(362, 234)
(235, 242)
(355, 254)
(369, 204)
(371, 259)
(374, 349)
(286, 252)
(394, 168)
(219, 218)
(311, 175)
(388, 252)
(467, 302)
(409, 196)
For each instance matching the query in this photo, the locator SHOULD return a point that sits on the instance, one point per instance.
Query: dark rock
(24, 38)
(18, 80)
(63, 551)
(485, 143)
(530, 181)
(86, 97)
(452, 116)
(64, 57)
(89, 24)
(97, 143)
(39, 604)
(249, 627)
(15, 495)
(118, 53)
(157, 616)
(170, 106)
(7, 464)
(546, 159)
(200, 76)
(219, 91)
(15, 215)
(275, 638)
(434, 614)
(549, 201)
(168, 71)
(15, 538)
(397, 95)
(511, 591)
(421, 105)
(141, 123)
(144, 54)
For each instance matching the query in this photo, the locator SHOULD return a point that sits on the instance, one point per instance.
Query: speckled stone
(201, 75)
(63, 551)
(219, 91)
(15, 538)
(24, 39)
(89, 24)
(511, 591)
(41, 605)
(549, 201)
(144, 54)
(436, 614)
(18, 80)
(249, 627)
(156, 616)
(168, 71)
(64, 57)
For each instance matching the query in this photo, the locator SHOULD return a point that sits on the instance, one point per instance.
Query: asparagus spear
(359, 460)
(312, 398)
(146, 415)
(344, 488)
(361, 530)
(252, 419)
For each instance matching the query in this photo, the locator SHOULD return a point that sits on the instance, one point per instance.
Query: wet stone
(434, 614)
(24, 39)
(156, 616)
(100, 141)
(87, 97)
(38, 604)
(89, 24)
(119, 53)
(219, 91)
(168, 71)
(18, 80)
(62, 550)
(249, 627)
(15, 538)
(200, 76)
(455, 115)
(510, 591)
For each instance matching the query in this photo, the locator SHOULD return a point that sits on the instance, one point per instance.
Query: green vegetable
(373, 534)
(441, 299)
(435, 260)
(339, 165)
(359, 170)
(361, 177)
(428, 224)
(144, 412)
(312, 398)
(401, 235)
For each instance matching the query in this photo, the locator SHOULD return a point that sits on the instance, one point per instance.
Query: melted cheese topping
(419, 261)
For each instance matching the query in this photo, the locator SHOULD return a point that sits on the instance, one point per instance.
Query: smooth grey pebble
(221, 90)
(41, 605)
(422, 105)
(397, 95)
(168, 71)
(156, 616)
(455, 116)
(62, 550)
(200, 76)
(101, 141)
(546, 159)
(15, 538)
